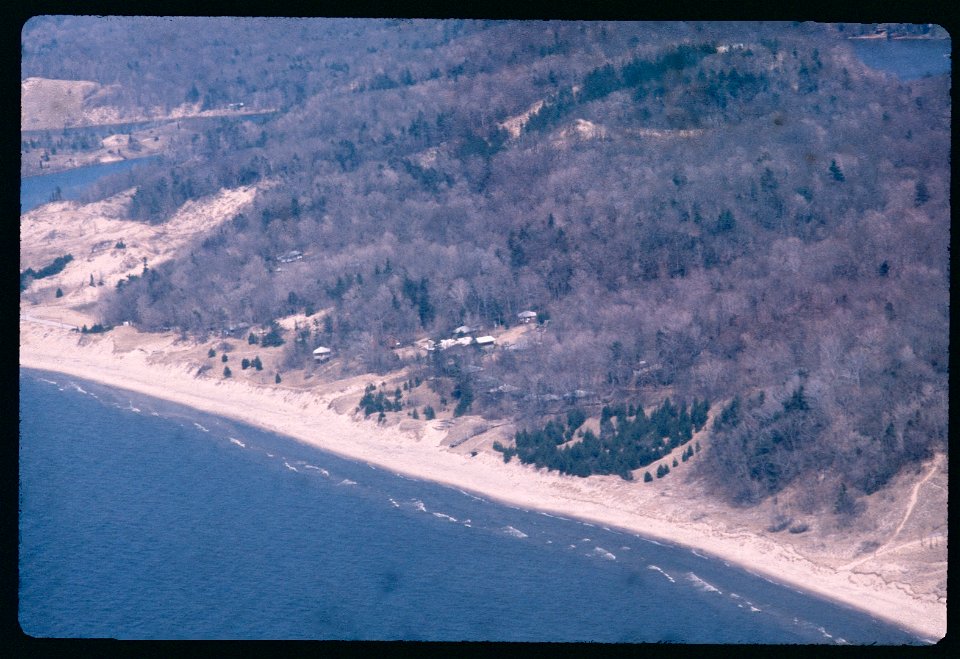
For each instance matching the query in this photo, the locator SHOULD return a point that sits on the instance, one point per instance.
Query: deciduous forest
(736, 213)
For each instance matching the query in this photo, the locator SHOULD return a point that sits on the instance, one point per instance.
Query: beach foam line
(234, 440)
(657, 568)
(446, 517)
(748, 602)
(290, 466)
(472, 496)
(603, 553)
(199, 427)
(702, 585)
(516, 533)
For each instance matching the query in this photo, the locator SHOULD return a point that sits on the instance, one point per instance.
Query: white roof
(527, 314)
(463, 329)
(485, 339)
(465, 341)
(321, 351)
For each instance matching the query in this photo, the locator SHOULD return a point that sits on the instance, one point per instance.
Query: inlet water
(143, 519)
(72, 183)
(908, 59)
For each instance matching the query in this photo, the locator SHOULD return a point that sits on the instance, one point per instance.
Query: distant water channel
(908, 59)
(38, 190)
(144, 519)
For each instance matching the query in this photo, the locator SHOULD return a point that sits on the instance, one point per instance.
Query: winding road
(44, 321)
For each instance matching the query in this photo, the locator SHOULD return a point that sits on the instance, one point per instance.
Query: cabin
(290, 257)
(486, 341)
(322, 354)
(463, 330)
(527, 316)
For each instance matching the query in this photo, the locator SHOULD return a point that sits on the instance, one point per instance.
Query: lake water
(908, 59)
(144, 519)
(36, 190)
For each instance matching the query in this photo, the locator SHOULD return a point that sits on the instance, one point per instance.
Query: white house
(486, 341)
(322, 354)
(527, 316)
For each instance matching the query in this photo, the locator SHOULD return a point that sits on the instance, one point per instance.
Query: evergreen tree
(211, 353)
(836, 172)
(59, 292)
(844, 503)
(257, 364)
(647, 477)
(224, 358)
(227, 372)
(277, 379)
(274, 337)
(244, 364)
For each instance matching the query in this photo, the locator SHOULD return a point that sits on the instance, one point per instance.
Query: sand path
(886, 547)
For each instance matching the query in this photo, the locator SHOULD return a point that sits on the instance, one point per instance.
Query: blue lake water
(144, 519)
(36, 190)
(908, 59)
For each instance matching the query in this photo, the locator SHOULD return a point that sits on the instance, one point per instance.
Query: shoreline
(656, 513)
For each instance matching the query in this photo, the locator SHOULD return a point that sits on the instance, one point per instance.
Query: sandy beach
(665, 510)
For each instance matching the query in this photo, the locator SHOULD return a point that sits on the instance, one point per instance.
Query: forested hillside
(736, 213)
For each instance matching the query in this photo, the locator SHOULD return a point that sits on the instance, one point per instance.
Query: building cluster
(462, 336)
